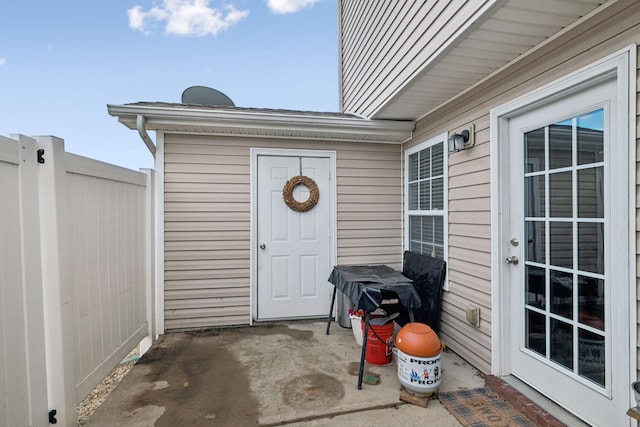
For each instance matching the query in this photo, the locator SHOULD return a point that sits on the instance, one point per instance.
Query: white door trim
(621, 64)
(333, 245)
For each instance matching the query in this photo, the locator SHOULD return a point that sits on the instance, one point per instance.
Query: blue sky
(62, 62)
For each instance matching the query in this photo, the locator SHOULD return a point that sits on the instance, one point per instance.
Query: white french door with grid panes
(426, 198)
(566, 266)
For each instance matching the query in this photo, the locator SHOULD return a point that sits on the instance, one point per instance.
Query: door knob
(512, 260)
(262, 246)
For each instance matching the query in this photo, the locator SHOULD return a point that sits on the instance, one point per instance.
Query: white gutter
(262, 123)
(142, 131)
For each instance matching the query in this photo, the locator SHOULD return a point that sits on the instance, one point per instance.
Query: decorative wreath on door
(314, 193)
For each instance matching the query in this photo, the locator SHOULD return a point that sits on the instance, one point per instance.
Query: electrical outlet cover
(473, 314)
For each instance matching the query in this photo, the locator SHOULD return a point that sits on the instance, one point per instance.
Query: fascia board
(160, 117)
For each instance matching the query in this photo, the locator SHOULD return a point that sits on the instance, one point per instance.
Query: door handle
(512, 260)
(262, 246)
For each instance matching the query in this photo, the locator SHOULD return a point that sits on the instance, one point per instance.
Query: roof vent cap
(203, 95)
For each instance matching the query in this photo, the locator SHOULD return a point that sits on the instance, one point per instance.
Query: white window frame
(442, 138)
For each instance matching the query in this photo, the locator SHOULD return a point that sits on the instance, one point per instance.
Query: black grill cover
(428, 274)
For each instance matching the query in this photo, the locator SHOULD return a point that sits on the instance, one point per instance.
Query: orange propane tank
(419, 351)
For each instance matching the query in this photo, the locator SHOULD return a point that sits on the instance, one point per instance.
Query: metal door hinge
(41, 155)
(52, 416)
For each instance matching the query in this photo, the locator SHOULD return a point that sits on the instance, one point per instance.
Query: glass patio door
(561, 256)
(564, 275)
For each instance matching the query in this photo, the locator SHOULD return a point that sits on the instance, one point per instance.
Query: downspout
(155, 205)
(142, 131)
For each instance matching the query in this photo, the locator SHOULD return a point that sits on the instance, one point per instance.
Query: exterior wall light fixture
(462, 139)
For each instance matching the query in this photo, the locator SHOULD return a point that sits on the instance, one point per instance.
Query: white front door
(294, 248)
(567, 260)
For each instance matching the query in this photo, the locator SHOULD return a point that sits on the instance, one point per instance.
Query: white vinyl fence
(75, 276)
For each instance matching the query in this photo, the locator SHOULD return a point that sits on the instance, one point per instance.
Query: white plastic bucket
(356, 328)
(419, 375)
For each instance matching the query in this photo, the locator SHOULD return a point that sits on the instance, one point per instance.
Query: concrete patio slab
(272, 374)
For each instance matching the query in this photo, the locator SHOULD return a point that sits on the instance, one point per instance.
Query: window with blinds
(426, 200)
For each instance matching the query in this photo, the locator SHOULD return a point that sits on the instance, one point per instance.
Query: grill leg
(333, 300)
(364, 349)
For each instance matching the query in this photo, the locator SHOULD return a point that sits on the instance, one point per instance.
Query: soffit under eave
(506, 33)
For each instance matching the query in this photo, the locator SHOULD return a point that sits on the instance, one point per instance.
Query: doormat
(482, 407)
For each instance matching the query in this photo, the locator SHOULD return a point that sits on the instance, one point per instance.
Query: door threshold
(555, 410)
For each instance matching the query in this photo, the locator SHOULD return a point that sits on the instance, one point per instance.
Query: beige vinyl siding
(469, 171)
(369, 205)
(207, 220)
(384, 44)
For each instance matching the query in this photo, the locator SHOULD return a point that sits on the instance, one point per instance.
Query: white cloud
(289, 6)
(2, 61)
(187, 17)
